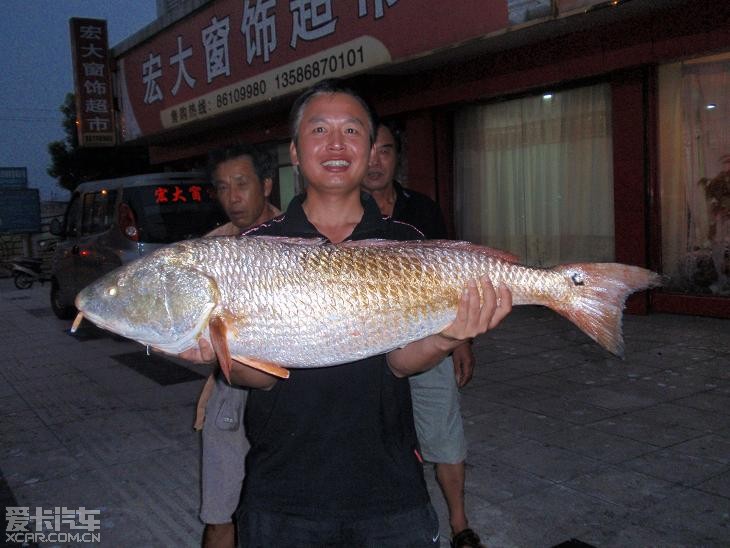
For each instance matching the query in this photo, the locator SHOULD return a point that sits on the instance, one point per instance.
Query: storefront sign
(92, 82)
(348, 58)
(237, 53)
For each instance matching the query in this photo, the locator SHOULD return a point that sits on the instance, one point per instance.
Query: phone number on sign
(240, 94)
(326, 66)
(274, 83)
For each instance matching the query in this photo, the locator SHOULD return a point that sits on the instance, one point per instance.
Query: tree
(72, 165)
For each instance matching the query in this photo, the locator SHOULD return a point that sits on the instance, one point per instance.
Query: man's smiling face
(333, 145)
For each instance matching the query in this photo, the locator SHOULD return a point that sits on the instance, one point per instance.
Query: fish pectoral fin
(219, 341)
(267, 367)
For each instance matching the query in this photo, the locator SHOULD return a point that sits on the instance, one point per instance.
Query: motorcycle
(26, 271)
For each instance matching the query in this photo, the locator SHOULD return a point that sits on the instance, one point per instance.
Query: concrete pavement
(567, 445)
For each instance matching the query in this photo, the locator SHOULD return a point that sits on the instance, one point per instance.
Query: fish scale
(297, 303)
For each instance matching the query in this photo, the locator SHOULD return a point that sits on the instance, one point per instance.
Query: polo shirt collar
(372, 220)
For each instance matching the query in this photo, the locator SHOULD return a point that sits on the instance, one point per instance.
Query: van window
(72, 217)
(98, 211)
(170, 211)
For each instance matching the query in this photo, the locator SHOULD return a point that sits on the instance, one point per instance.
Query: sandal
(466, 539)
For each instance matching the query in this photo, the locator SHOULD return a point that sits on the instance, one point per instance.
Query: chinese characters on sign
(167, 194)
(336, 62)
(234, 54)
(310, 20)
(93, 84)
(57, 525)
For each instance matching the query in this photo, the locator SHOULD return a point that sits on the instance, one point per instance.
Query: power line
(28, 119)
(15, 107)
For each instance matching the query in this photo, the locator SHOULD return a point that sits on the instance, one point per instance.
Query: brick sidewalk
(565, 441)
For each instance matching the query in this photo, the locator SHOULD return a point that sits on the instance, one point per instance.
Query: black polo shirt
(334, 442)
(420, 211)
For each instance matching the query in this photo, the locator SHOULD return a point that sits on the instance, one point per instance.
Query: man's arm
(241, 374)
(472, 318)
(464, 362)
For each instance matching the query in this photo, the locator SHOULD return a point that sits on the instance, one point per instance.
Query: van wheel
(62, 311)
(23, 280)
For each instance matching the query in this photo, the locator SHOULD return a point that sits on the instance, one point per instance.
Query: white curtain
(534, 176)
(694, 159)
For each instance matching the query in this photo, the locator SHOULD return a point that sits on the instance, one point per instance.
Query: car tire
(23, 280)
(62, 311)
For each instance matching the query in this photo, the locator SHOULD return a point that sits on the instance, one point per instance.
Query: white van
(111, 222)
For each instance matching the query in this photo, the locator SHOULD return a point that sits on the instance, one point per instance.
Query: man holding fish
(332, 458)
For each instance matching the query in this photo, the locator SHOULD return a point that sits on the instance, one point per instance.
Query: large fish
(275, 303)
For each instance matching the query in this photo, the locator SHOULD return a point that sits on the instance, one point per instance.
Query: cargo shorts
(437, 414)
(224, 451)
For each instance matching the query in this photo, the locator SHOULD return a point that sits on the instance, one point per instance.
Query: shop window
(694, 174)
(534, 176)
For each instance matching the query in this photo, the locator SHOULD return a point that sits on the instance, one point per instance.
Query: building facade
(562, 131)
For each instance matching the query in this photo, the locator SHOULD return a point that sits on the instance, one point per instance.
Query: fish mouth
(91, 317)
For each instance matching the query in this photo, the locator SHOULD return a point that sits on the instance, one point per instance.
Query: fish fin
(474, 248)
(267, 367)
(597, 302)
(77, 322)
(203, 398)
(219, 341)
(372, 242)
(455, 245)
(286, 240)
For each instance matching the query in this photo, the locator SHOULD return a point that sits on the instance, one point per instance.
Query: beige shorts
(437, 414)
(224, 451)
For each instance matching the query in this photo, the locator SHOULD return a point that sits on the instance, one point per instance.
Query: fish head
(157, 301)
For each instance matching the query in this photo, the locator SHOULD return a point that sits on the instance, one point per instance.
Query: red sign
(92, 82)
(165, 194)
(236, 53)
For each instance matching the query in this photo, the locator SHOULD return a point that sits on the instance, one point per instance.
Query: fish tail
(599, 294)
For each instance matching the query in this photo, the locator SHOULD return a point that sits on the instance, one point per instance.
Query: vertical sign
(92, 82)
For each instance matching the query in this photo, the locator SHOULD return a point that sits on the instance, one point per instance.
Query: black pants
(414, 529)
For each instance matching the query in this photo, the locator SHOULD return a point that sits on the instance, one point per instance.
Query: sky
(36, 74)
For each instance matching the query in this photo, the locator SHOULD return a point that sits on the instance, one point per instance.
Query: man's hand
(241, 374)
(464, 362)
(202, 354)
(474, 317)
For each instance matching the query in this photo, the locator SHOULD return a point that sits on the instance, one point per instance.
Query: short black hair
(263, 161)
(396, 131)
(329, 86)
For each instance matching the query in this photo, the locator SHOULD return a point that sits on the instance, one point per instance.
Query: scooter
(26, 270)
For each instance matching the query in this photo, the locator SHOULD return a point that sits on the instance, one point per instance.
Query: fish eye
(112, 291)
(577, 278)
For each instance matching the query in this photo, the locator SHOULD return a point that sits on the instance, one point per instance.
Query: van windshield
(172, 211)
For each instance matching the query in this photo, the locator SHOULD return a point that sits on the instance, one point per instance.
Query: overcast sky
(36, 74)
